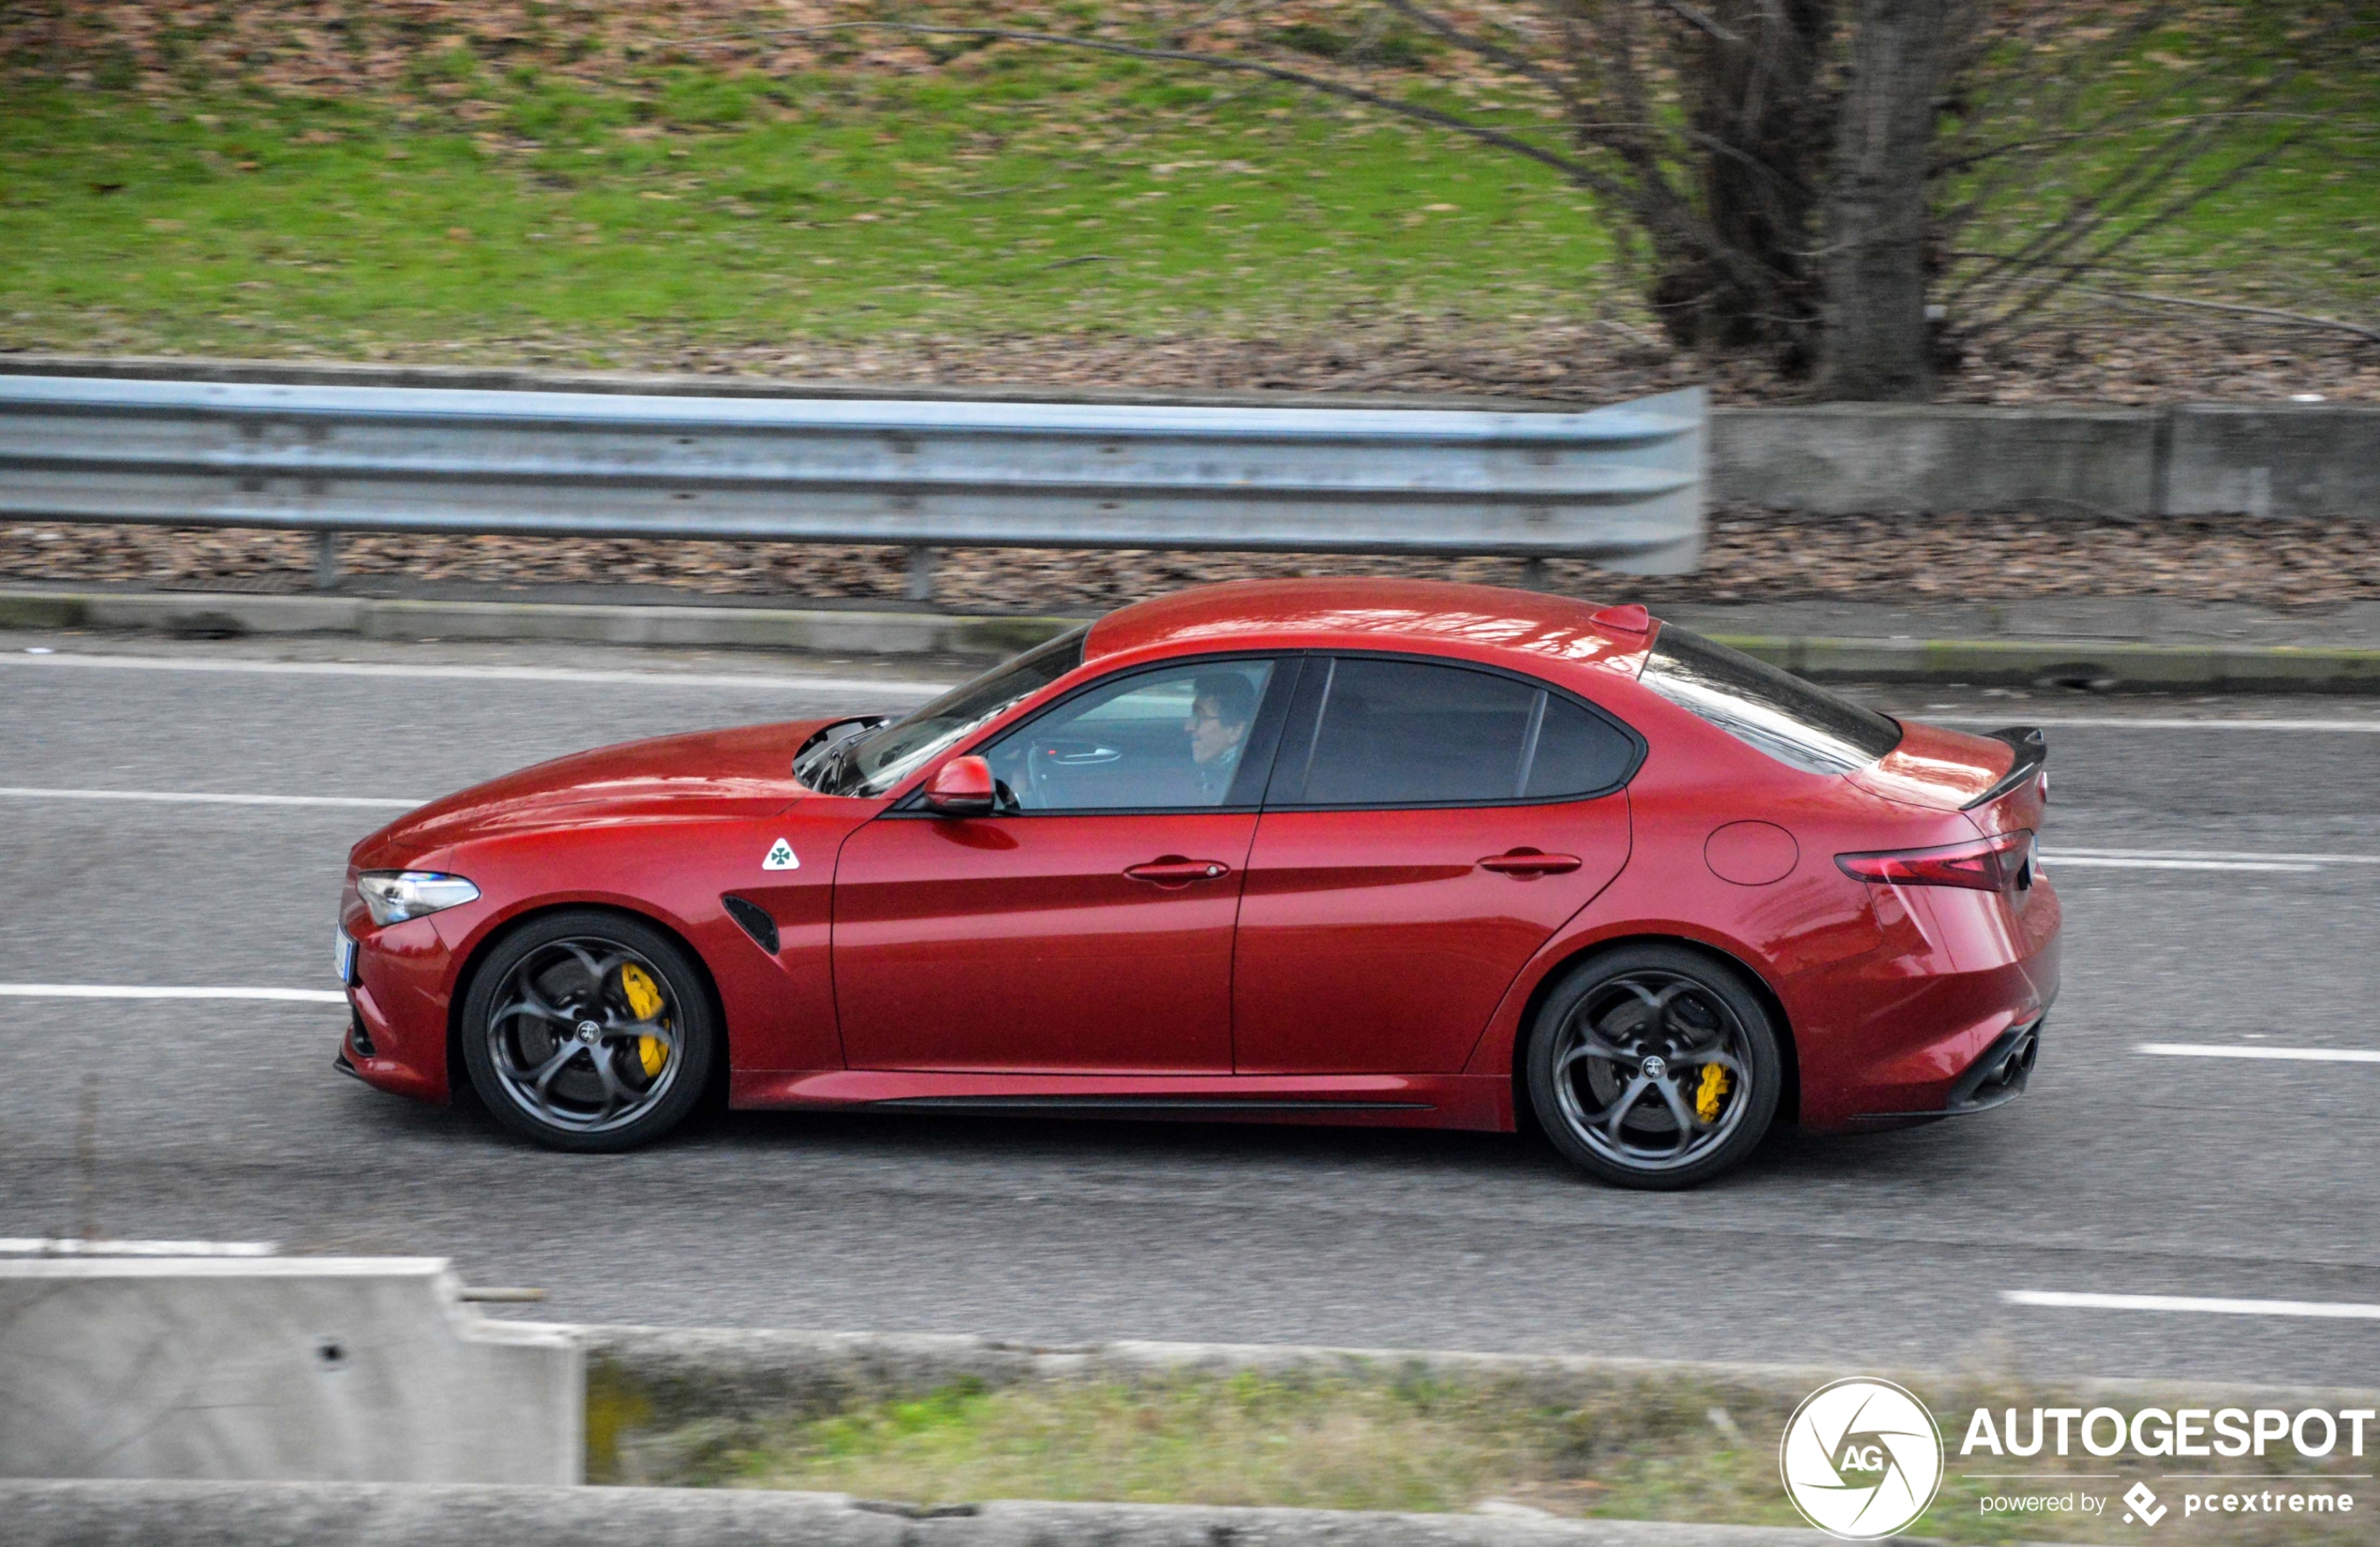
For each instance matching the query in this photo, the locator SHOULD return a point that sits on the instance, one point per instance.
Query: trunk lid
(1992, 778)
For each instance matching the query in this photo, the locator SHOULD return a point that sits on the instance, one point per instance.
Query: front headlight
(395, 896)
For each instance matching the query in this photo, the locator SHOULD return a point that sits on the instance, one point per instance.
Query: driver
(1221, 706)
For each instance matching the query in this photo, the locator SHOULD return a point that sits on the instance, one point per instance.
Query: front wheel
(1654, 1067)
(590, 1032)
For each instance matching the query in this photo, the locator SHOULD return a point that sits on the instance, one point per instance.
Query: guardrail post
(921, 573)
(326, 561)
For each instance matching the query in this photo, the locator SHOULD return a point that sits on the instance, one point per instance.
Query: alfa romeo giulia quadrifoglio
(1345, 851)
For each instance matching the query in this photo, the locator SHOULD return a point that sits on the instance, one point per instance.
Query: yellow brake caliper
(644, 1002)
(1706, 1095)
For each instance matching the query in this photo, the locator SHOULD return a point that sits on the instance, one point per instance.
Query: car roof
(1480, 621)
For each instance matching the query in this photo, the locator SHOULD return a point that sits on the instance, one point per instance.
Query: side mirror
(960, 787)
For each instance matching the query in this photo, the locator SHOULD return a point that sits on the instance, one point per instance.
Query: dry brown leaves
(334, 48)
(1753, 555)
(2090, 354)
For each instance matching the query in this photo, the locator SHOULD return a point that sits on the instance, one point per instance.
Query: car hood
(1940, 769)
(738, 773)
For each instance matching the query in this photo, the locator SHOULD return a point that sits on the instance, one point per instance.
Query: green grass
(2302, 228)
(738, 209)
(509, 214)
(1669, 1450)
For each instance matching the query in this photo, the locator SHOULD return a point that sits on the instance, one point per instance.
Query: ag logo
(780, 857)
(1861, 1459)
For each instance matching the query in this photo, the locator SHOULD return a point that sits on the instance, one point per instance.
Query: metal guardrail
(1623, 486)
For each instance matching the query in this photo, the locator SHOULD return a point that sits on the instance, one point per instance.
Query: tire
(1653, 1020)
(564, 1044)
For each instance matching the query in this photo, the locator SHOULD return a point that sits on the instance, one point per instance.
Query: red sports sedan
(1356, 850)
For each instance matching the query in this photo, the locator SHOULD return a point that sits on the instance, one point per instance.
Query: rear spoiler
(2032, 750)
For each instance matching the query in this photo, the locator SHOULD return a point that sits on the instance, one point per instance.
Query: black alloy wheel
(589, 1032)
(1654, 1067)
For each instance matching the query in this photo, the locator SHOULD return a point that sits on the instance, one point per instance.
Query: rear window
(1407, 732)
(1795, 721)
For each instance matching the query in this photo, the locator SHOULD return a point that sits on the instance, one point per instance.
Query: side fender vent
(755, 920)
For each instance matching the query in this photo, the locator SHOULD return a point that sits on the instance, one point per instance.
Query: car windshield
(872, 762)
(1793, 721)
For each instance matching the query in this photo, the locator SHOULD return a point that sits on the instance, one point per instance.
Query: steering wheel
(1046, 760)
(1038, 767)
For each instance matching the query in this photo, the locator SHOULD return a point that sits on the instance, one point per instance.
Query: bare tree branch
(2043, 292)
(1701, 20)
(1577, 170)
(2133, 183)
(2082, 74)
(1493, 53)
(2303, 319)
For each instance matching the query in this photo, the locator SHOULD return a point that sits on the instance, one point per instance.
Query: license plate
(343, 954)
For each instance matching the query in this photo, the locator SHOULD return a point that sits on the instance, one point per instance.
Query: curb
(2102, 665)
(2106, 665)
(825, 630)
(365, 1514)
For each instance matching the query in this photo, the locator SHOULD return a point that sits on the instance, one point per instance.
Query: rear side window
(1409, 733)
(1796, 722)
(1577, 752)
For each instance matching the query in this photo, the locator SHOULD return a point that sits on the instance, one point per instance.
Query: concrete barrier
(1858, 458)
(2300, 460)
(149, 1514)
(368, 1369)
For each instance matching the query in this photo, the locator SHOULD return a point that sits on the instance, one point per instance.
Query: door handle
(1174, 871)
(1528, 862)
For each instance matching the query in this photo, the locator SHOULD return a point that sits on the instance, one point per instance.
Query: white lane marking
(2233, 1050)
(490, 674)
(2225, 855)
(125, 990)
(202, 797)
(2109, 862)
(68, 1246)
(2149, 722)
(2061, 1300)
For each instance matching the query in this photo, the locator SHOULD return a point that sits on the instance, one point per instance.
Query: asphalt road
(2120, 1173)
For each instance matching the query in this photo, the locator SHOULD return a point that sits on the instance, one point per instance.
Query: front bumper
(396, 1037)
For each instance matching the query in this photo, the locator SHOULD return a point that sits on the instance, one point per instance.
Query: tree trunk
(1877, 344)
(1756, 103)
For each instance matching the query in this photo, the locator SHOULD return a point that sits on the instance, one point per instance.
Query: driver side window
(1169, 739)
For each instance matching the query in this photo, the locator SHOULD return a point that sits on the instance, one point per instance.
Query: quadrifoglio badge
(1863, 1459)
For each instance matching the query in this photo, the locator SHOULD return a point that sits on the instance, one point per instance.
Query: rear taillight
(1986, 865)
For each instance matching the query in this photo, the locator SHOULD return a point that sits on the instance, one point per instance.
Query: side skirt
(1429, 1101)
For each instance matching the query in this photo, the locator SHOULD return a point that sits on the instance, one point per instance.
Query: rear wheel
(590, 1032)
(1654, 1067)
